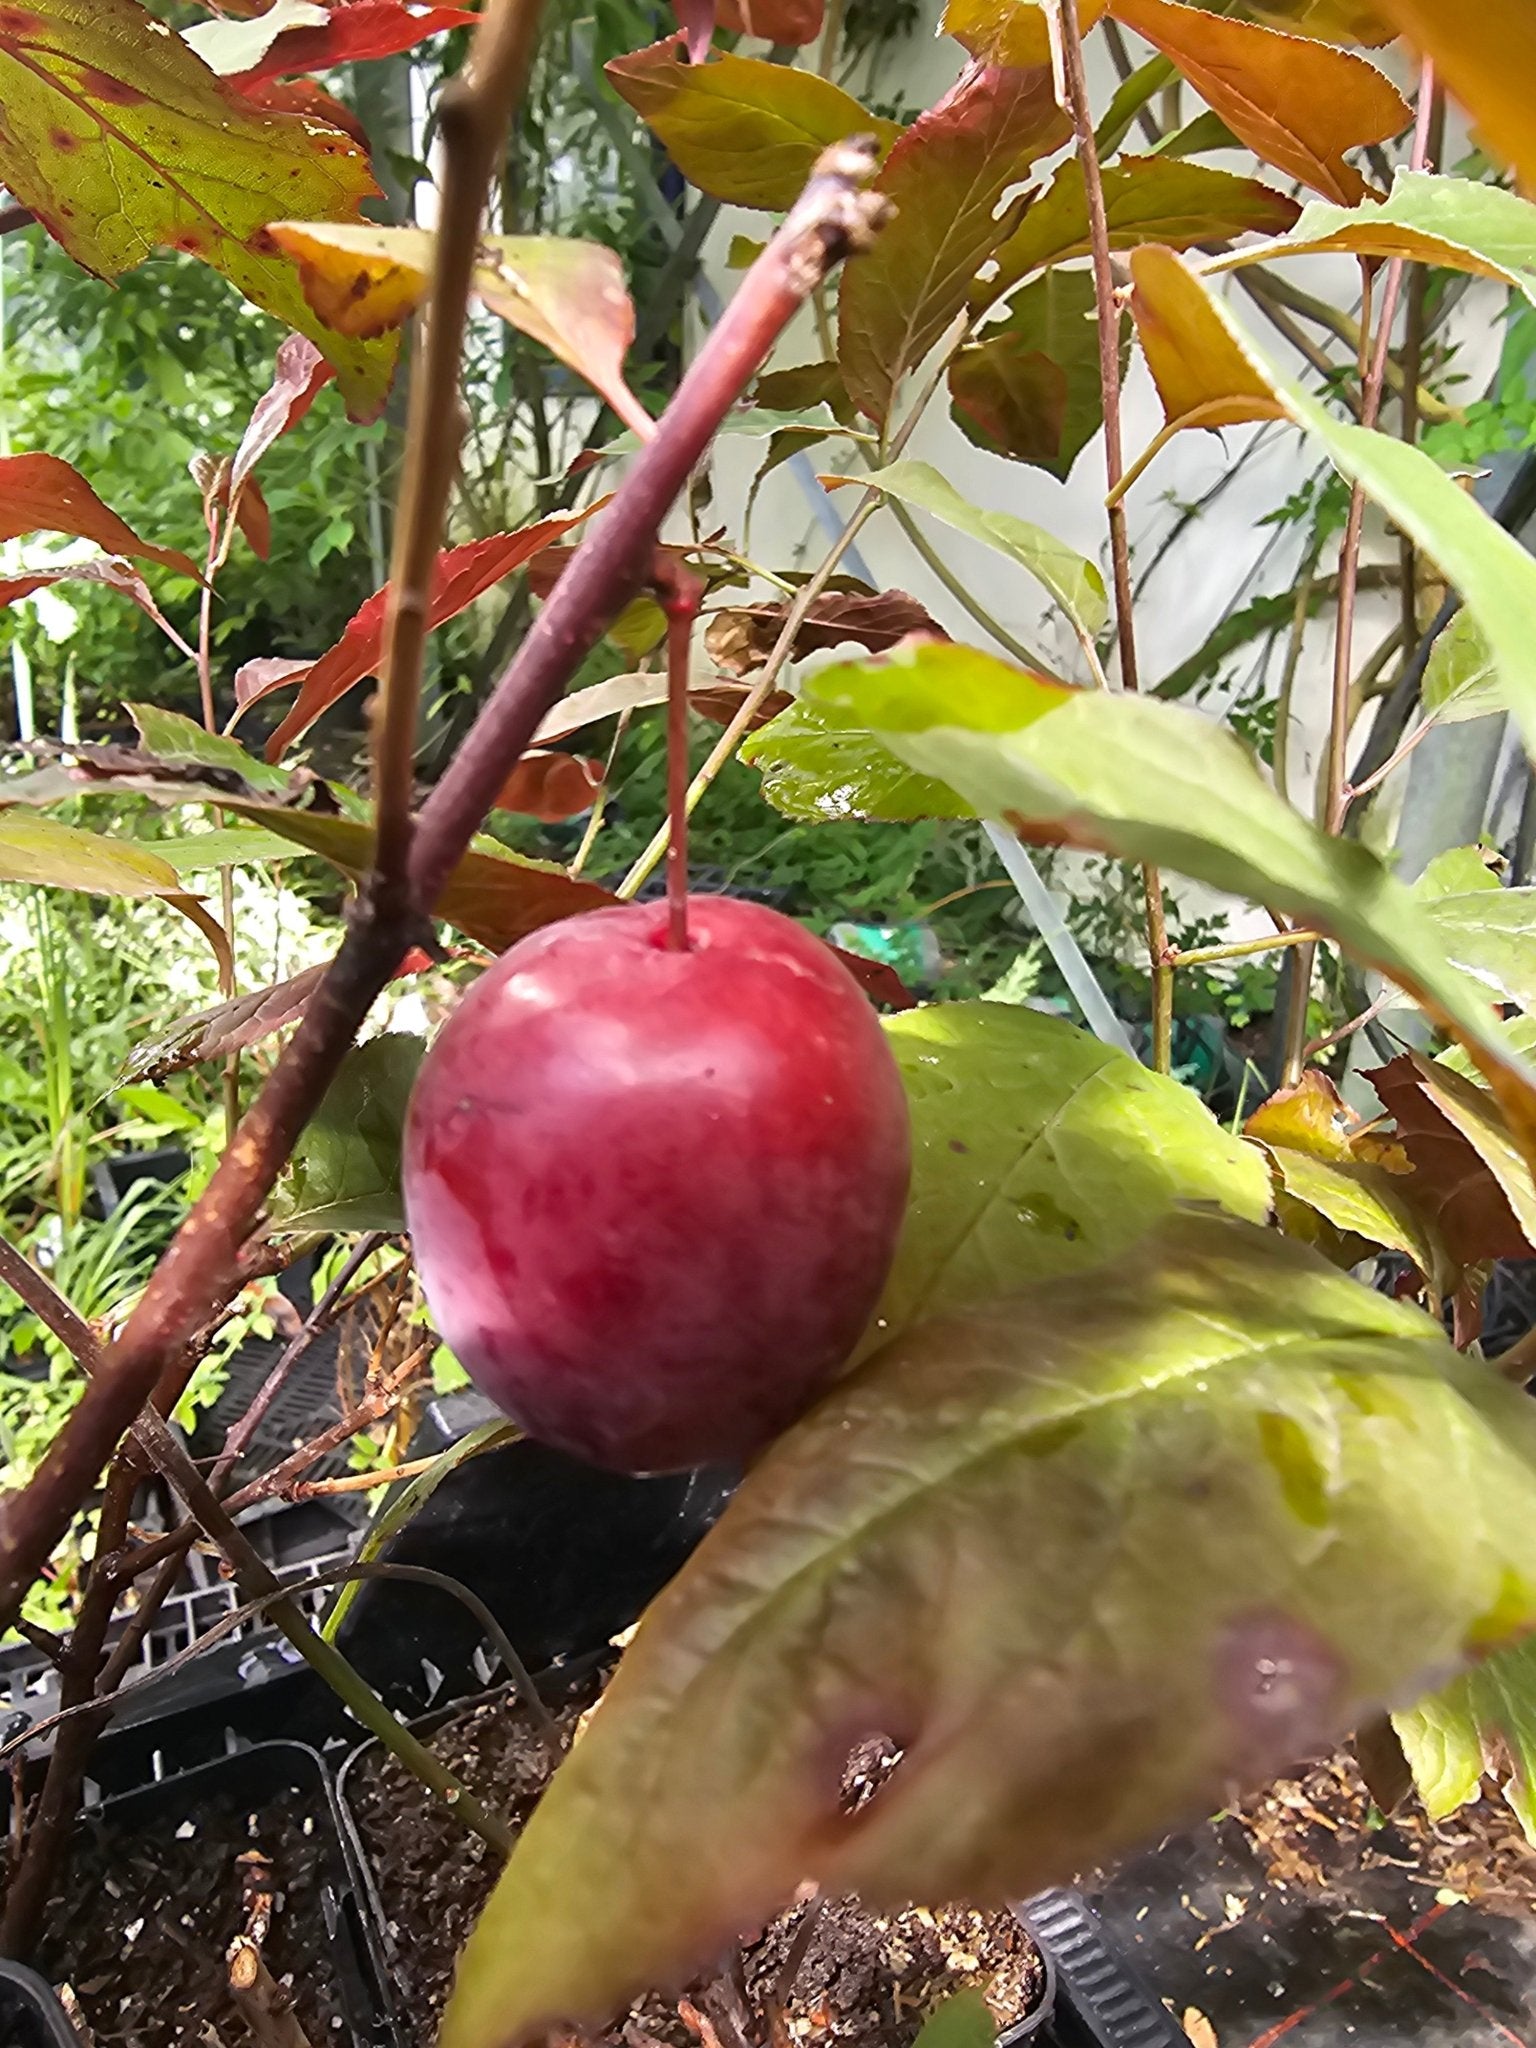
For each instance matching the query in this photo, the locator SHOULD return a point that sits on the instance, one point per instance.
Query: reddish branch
(834, 215)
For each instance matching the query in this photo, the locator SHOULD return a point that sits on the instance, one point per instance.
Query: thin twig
(1064, 14)
(474, 112)
(681, 592)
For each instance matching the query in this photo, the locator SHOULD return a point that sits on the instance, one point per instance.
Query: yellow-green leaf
(1087, 1556)
(122, 141)
(59, 856)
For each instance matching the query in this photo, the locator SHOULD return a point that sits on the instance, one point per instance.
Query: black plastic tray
(30, 2013)
(249, 1778)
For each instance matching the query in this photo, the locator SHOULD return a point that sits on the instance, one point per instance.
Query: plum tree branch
(474, 114)
(835, 215)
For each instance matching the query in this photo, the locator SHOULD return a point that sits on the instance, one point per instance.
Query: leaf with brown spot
(1297, 104)
(743, 130)
(304, 96)
(43, 494)
(741, 640)
(1057, 1549)
(463, 574)
(947, 178)
(122, 141)
(550, 786)
(1468, 1173)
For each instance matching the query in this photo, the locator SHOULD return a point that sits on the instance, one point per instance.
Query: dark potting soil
(863, 1980)
(143, 1919)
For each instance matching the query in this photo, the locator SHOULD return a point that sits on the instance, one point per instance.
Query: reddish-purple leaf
(108, 569)
(776, 21)
(696, 19)
(253, 50)
(463, 574)
(42, 494)
(297, 377)
(947, 175)
(1468, 1177)
(267, 672)
(551, 786)
(304, 96)
(253, 516)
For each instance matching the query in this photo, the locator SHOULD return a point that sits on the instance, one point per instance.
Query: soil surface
(145, 1915)
(861, 1980)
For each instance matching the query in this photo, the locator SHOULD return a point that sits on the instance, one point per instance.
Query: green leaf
(1461, 680)
(817, 769)
(1359, 1199)
(234, 846)
(1484, 1721)
(1037, 1149)
(964, 2020)
(1490, 568)
(744, 130)
(1087, 1556)
(1454, 223)
(1491, 935)
(345, 1173)
(173, 737)
(947, 177)
(122, 141)
(1459, 871)
(59, 856)
(1146, 199)
(1150, 781)
(1030, 388)
(1074, 582)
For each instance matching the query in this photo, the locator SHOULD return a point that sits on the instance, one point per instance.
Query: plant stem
(1299, 618)
(748, 709)
(957, 589)
(1065, 14)
(831, 38)
(1281, 292)
(49, 1306)
(833, 217)
(1240, 949)
(682, 592)
(474, 113)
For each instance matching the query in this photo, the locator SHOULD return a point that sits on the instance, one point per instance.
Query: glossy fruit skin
(654, 1195)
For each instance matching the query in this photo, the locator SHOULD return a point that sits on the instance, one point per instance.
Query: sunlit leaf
(1203, 375)
(171, 736)
(59, 856)
(1030, 388)
(1074, 582)
(1455, 223)
(1469, 1177)
(1360, 1202)
(1011, 32)
(302, 37)
(1491, 934)
(739, 128)
(819, 769)
(463, 574)
(1150, 781)
(121, 141)
(1484, 1721)
(1461, 680)
(1312, 1117)
(1486, 57)
(963, 2020)
(947, 177)
(1088, 1557)
(569, 296)
(1297, 104)
(42, 494)
(1146, 199)
(345, 1171)
(1039, 1150)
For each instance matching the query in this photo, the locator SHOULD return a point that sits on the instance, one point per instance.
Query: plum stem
(834, 216)
(681, 591)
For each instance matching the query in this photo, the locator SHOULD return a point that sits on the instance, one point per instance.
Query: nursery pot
(276, 1797)
(30, 2013)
